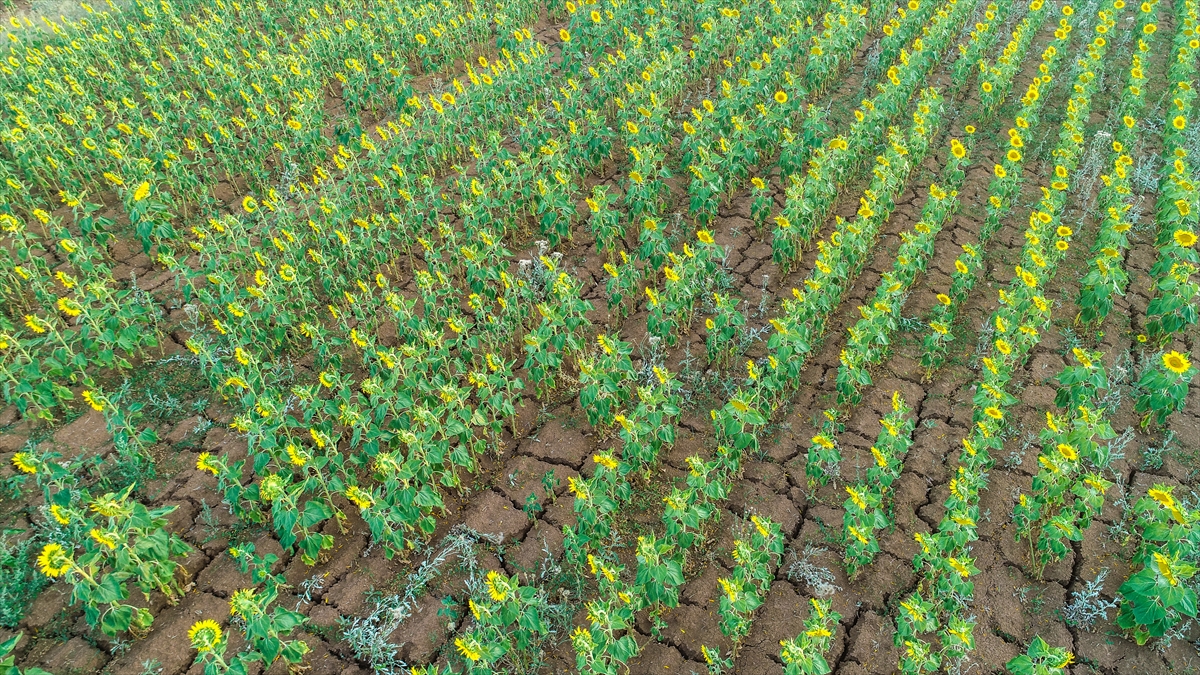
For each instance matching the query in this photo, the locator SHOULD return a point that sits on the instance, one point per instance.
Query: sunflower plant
(721, 341)
(745, 590)
(1158, 597)
(604, 221)
(607, 643)
(1163, 386)
(264, 629)
(1041, 659)
(659, 578)
(869, 503)
(805, 653)
(606, 379)
(687, 509)
(597, 499)
(509, 621)
(125, 541)
(623, 284)
(824, 456)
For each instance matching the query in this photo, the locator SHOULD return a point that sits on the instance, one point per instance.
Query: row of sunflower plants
(796, 147)
(802, 321)
(842, 29)
(996, 79)
(902, 27)
(1173, 307)
(869, 340)
(811, 197)
(776, 49)
(642, 115)
(981, 39)
(686, 275)
(607, 643)
(600, 647)
(768, 385)
(1107, 276)
(69, 324)
(721, 144)
(647, 135)
(644, 414)
(686, 278)
(1069, 487)
(1163, 384)
(1003, 191)
(640, 111)
(1174, 297)
(565, 142)
(745, 589)
(942, 599)
(509, 624)
(590, 26)
(843, 254)
(869, 506)
(689, 508)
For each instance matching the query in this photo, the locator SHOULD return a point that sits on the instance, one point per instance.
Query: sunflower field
(419, 337)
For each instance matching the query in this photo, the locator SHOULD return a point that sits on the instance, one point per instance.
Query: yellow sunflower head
(1176, 363)
(205, 635)
(54, 560)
